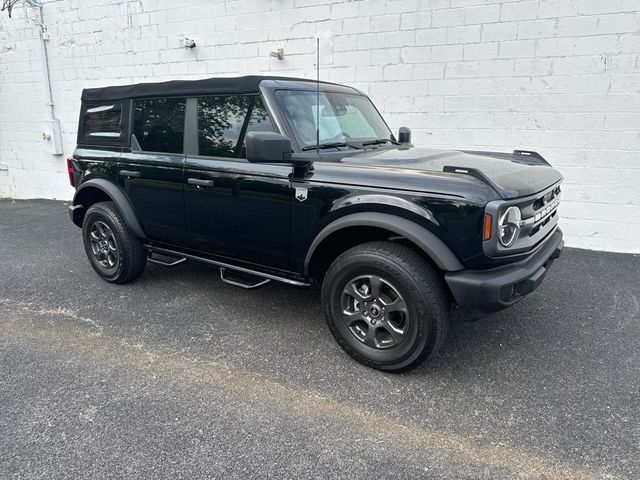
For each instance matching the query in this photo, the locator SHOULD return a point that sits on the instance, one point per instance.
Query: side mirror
(268, 147)
(404, 135)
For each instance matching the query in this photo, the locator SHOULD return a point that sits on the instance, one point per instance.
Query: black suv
(303, 183)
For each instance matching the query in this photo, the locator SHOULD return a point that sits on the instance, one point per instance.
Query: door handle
(129, 173)
(199, 182)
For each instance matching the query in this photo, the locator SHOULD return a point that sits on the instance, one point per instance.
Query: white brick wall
(558, 76)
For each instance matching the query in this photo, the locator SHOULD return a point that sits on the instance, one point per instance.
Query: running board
(246, 286)
(223, 265)
(164, 264)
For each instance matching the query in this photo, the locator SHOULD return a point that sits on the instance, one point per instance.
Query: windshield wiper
(322, 146)
(379, 141)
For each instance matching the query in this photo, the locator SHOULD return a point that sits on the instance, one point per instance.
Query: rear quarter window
(102, 121)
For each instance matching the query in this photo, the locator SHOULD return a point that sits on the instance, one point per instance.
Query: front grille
(539, 217)
(539, 220)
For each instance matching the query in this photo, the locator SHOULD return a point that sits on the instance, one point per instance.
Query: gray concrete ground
(180, 376)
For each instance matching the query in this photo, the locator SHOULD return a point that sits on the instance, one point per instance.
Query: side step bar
(246, 286)
(165, 264)
(234, 268)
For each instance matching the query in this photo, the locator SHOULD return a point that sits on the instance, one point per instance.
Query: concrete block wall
(558, 76)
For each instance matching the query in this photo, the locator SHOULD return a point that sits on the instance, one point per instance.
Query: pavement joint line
(270, 393)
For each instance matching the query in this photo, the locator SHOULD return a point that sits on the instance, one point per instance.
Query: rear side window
(223, 123)
(158, 124)
(102, 121)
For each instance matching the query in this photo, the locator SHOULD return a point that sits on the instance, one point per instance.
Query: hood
(511, 175)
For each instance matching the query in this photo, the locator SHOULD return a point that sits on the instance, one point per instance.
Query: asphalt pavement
(178, 375)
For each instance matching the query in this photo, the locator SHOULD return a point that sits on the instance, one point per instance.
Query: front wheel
(385, 306)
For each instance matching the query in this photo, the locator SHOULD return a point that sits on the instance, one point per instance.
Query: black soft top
(207, 86)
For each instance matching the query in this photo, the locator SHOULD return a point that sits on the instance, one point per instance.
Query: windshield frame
(304, 146)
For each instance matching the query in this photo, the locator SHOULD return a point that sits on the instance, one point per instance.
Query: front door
(234, 208)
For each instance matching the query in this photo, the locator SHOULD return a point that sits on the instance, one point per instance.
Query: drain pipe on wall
(55, 137)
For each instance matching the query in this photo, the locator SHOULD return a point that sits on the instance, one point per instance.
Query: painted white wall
(561, 77)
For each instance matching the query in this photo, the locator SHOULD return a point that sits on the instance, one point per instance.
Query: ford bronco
(295, 181)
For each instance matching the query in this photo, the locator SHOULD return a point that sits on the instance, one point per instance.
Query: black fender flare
(427, 241)
(119, 199)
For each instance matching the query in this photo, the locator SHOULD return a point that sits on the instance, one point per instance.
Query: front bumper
(481, 292)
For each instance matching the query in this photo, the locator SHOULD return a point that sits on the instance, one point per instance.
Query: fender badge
(301, 194)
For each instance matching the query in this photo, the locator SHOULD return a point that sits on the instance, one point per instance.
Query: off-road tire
(417, 283)
(132, 257)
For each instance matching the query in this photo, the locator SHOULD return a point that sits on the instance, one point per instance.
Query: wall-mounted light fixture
(279, 54)
(186, 42)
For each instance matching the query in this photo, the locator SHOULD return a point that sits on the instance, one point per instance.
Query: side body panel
(455, 220)
(245, 214)
(96, 162)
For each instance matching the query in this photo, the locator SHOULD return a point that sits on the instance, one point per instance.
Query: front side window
(223, 122)
(102, 121)
(158, 124)
(341, 117)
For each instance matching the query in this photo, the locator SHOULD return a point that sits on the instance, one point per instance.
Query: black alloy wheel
(114, 251)
(104, 245)
(375, 312)
(386, 305)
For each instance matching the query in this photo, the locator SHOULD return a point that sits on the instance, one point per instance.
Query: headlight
(509, 226)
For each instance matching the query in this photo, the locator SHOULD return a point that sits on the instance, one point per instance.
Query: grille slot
(540, 202)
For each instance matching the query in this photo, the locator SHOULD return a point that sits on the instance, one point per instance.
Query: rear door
(151, 171)
(235, 208)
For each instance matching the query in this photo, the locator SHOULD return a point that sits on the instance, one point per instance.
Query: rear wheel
(386, 306)
(115, 253)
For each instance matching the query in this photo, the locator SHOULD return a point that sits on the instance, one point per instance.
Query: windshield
(343, 118)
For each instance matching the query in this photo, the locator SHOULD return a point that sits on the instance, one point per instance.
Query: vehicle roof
(207, 86)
